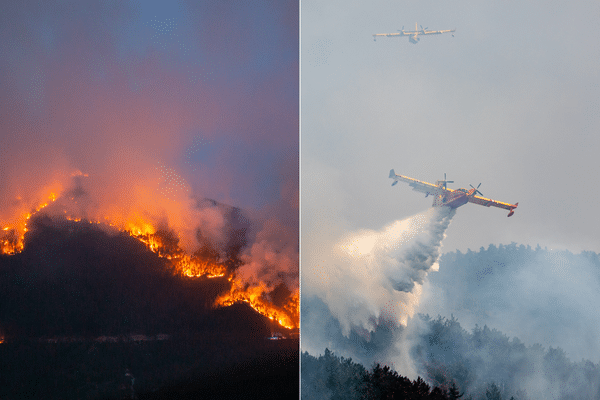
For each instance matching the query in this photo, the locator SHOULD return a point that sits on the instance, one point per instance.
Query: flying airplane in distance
(413, 36)
(449, 197)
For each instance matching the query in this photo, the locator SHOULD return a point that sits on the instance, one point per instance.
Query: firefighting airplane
(449, 197)
(413, 36)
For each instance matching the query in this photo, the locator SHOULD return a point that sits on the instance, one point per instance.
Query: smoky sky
(146, 107)
(510, 101)
(550, 298)
(207, 90)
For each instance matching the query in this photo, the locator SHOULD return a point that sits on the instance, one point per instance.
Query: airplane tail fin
(393, 175)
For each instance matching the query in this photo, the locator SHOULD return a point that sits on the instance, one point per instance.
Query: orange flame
(165, 245)
(12, 242)
(286, 316)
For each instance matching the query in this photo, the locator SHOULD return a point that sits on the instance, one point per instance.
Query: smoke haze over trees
(539, 295)
(445, 351)
(484, 364)
(542, 297)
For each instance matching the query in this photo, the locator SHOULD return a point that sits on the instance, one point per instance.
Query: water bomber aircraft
(413, 36)
(449, 197)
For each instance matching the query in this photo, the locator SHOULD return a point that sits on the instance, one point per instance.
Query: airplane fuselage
(413, 36)
(457, 198)
(451, 198)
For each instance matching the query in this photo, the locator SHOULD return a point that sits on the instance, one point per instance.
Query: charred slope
(77, 281)
(76, 278)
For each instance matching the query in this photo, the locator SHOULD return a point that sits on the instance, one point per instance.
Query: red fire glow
(166, 244)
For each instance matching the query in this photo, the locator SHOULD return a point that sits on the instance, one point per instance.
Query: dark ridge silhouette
(77, 282)
(74, 278)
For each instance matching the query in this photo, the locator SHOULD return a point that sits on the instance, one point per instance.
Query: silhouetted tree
(453, 392)
(493, 392)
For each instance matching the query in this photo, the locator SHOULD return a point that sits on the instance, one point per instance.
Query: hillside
(83, 305)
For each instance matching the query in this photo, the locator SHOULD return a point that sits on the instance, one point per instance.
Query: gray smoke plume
(363, 288)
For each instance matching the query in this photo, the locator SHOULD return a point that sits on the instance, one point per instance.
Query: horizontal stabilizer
(395, 182)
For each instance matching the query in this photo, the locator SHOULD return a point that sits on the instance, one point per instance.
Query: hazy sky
(203, 91)
(512, 101)
(159, 103)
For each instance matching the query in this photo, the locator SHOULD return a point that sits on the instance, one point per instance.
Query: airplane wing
(419, 186)
(390, 34)
(489, 202)
(436, 32)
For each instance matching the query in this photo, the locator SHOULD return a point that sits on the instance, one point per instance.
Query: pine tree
(453, 392)
(493, 392)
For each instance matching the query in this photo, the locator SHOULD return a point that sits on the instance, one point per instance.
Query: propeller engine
(476, 189)
(445, 181)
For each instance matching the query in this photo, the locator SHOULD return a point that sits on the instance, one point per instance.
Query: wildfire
(138, 227)
(286, 316)
(165, 245)
(255, 296)
(12, 241)
(192, 267)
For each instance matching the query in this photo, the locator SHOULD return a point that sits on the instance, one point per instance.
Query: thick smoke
(144, 208)
(157, 109)
(273, 256)
(368, 285)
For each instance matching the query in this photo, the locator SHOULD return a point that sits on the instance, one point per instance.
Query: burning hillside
(200, 239)
(80, 278)
(117, 121)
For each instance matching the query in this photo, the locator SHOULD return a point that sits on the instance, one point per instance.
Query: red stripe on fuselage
(458, 198)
